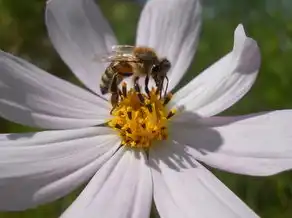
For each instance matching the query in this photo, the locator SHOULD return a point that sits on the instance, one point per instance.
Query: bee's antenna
(167, 81)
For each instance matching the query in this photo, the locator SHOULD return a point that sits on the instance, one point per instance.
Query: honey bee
(126, 61)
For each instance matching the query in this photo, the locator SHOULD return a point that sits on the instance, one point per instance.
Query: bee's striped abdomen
(103, 88)
(106, 79)
(121, 69)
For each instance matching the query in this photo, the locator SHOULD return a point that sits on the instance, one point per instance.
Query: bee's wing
(102, 58)
(118, 53)
(115, 57)
(123, 49)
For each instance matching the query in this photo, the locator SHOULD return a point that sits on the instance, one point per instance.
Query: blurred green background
(23, 32)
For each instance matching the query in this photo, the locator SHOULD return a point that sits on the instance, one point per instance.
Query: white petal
(80, 34)
(190, 190)
(172, 28)
(30, 96)
(36, 168)
(225, 82)
(122, 188)
(257, 144)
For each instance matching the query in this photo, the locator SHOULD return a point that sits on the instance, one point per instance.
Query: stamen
(129, 113)
(149, 107)
(141, 124)
(167, 98)
(141, 98)
(118, 126)
(129, 130)
(170, 114)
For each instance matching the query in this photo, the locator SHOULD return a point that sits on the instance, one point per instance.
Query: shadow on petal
(176, 159)
(183, 136)
(190, 129)
(14, 136)
(201, 134)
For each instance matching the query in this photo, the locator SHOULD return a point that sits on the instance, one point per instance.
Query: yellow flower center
(141, 119)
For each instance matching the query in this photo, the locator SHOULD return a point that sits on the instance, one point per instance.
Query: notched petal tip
(239, 31)
(246, 49)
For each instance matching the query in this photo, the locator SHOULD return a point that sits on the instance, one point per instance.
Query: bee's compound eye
(165, 64)
(155, 68)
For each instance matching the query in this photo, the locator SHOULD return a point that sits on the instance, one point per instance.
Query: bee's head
(162, 67)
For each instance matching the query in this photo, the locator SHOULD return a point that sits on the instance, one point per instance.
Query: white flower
(36, 168)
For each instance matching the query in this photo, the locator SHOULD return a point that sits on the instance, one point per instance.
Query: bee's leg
(161, 88)
(157, 88)
(136, 84)
(138, 90)
(146, 85)
(114, 101)
(158, 82)
(115, 92)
